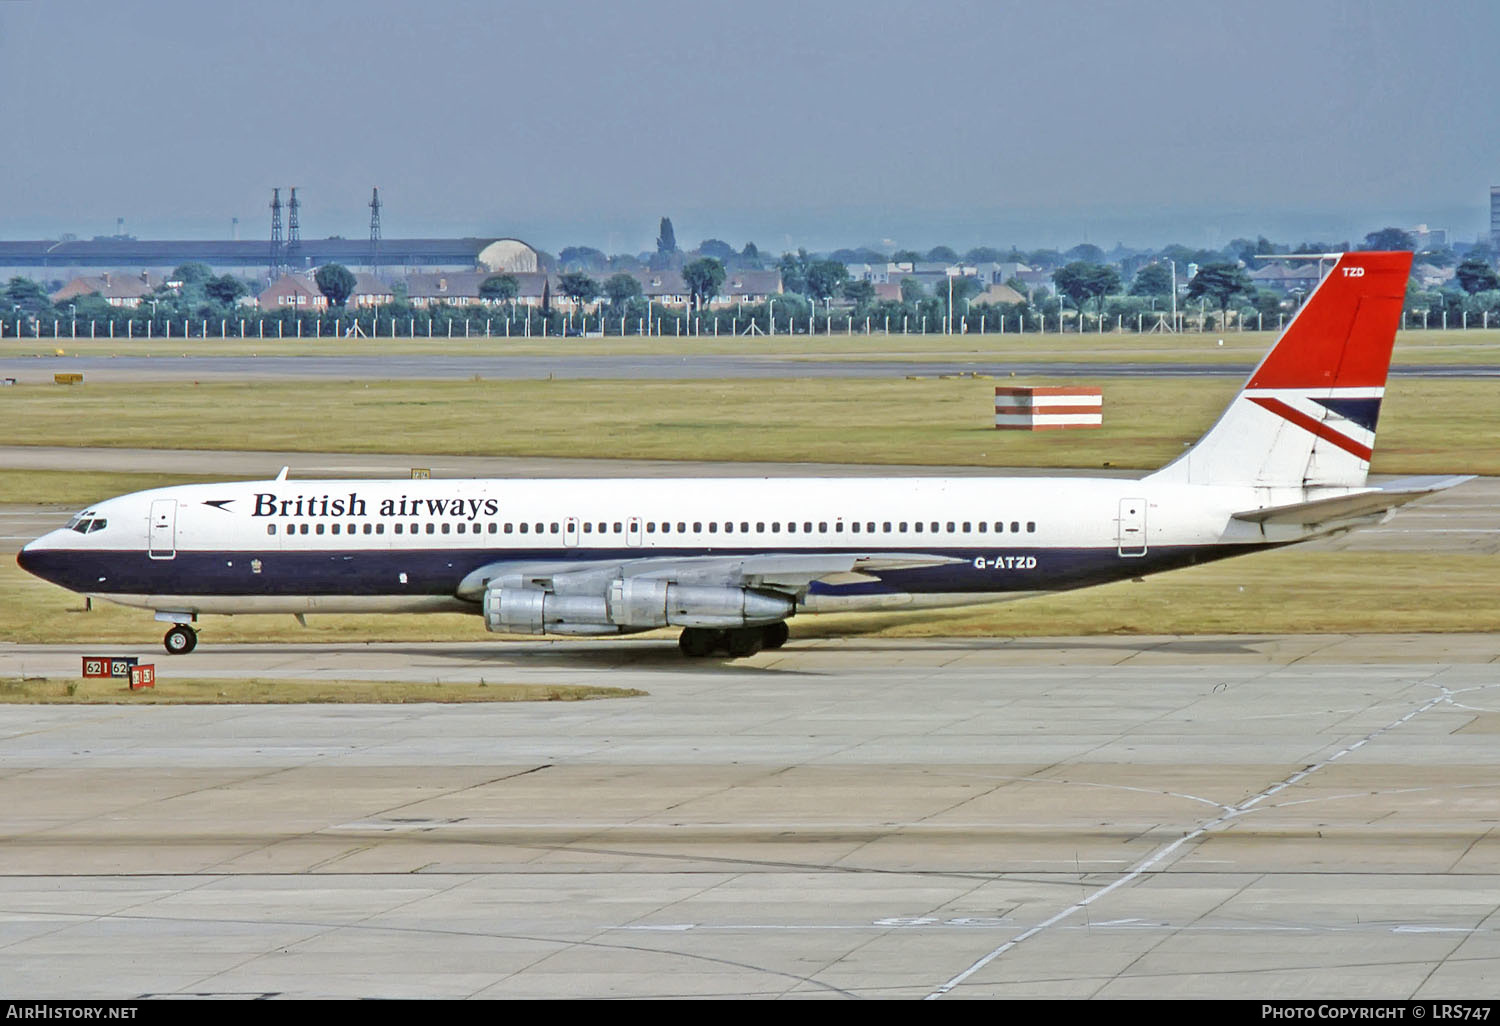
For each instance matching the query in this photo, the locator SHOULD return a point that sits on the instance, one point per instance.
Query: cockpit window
(86, 522)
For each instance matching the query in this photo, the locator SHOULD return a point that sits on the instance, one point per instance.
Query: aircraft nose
(33, 557)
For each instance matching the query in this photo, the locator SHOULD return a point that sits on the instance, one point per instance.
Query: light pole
(1174, 293)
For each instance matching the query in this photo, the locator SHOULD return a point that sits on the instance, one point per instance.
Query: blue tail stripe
(1364, 412)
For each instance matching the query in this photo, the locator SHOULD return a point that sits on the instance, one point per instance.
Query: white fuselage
(353, 546)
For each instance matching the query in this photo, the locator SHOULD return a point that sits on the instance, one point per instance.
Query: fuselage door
(1132, 527)
(163, 537)
(633, 531)
(570, 532)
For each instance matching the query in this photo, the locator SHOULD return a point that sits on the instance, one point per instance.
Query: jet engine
(631, 604)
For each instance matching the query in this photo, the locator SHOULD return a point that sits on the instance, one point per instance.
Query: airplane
(731, 560)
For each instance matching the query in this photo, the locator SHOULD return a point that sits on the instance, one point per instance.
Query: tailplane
(1306, 417)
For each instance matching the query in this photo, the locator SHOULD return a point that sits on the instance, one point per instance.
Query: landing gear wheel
(775, 635)
(696, 642)
(181, 640)
(744, 641)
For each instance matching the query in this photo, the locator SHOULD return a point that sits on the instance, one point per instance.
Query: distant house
(292, 292)
(122, 290)
(748, 287)
(370, 291)
(456, 288)
(997, 294)
(1430, 276)
(1286, 278)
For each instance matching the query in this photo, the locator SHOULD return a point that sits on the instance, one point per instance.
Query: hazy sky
(811, 123)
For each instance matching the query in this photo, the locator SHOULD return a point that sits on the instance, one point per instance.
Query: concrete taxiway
(1109, 817)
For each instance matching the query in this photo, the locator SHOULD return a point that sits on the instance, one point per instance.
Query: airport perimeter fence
(661, 323)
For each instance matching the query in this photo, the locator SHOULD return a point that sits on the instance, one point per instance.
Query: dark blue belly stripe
(439, 571)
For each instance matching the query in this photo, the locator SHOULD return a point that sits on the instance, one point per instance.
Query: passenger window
(414, 528)
(903, 527)
(697, 527)
(335, 529)
(935, 527)
(1015, 526)
(270, 528)
(681, 527)
(744, 527)
(461, 528)
(651, 527)
(396, 528)
(713, 528)
(807, 527)
(854, 527)
(982, 526)
(446, 526)
(318, 529)
(966, 527)
(838, 527)
(494, 527)
(380, 529)
(431, 528)
(304, 529)
(540, 528)
(776, 527)
(887, 527)
(554, 528)
(1031, 527)
(525, 528)
(870, 527)
(508, 527)
(791, 527)
(588, 527)
(760, 527)
(729, 527)
(916, 527)
(617, 527)
(951, 525)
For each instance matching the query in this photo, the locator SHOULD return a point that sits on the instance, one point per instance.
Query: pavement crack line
(1156, 858)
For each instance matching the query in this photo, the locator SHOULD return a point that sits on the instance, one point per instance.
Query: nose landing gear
(180, 640)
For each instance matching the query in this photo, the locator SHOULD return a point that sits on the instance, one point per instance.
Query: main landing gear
(737, 642)
(180, 640)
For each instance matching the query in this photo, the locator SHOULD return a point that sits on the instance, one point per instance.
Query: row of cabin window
(651, 527)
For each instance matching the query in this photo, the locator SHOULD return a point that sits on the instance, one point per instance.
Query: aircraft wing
(1358, 506)
(789, 571)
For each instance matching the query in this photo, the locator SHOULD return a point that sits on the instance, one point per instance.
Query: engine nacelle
(631, 604)
(527, 611)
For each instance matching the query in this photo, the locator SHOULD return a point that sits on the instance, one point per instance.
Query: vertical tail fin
(1307, 415)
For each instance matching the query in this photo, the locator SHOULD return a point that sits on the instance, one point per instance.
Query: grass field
(1477, 346)
(1436, 425)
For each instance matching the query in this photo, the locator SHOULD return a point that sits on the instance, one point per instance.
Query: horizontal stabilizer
(1355, 506)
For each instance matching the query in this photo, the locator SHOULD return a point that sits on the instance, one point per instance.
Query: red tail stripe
(1317, 427)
